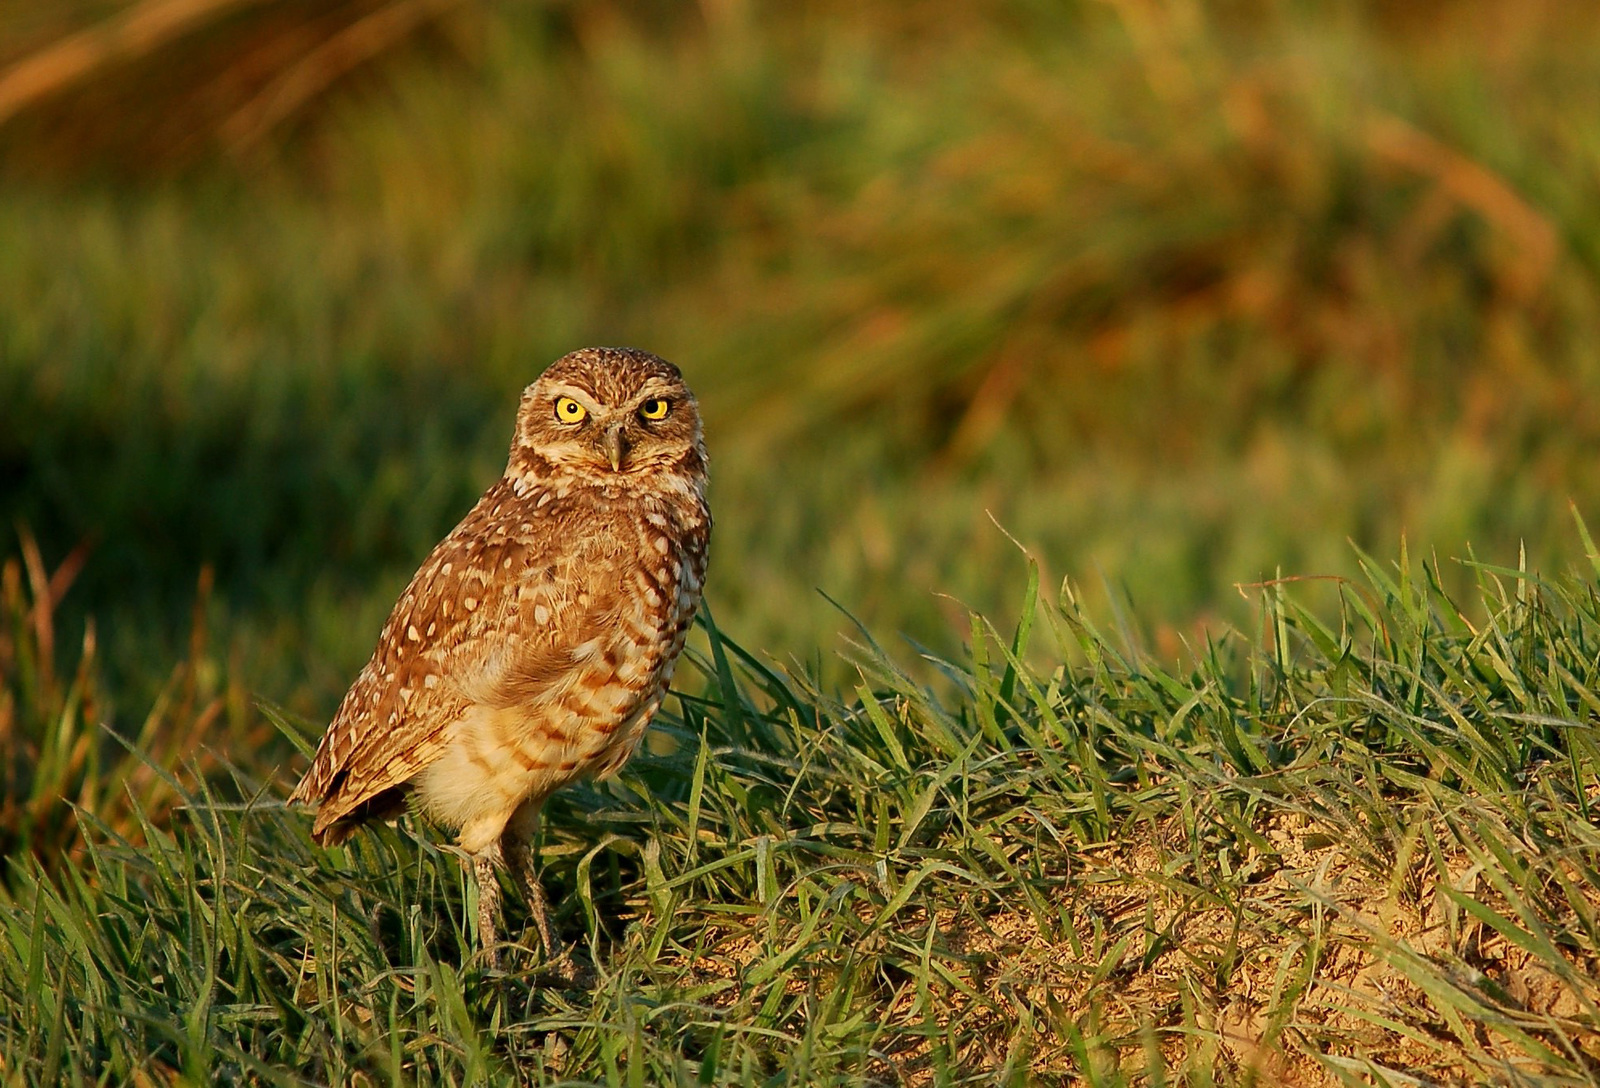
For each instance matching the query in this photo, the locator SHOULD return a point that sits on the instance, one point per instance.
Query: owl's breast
(589, 655)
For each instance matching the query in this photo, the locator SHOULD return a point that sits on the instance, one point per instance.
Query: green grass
(1354, 849)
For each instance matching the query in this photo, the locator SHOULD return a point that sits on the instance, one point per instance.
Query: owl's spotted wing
(493, 613)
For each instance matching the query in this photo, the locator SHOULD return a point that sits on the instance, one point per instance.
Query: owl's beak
(616, 446)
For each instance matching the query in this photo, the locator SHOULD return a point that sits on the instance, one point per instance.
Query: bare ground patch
(1293, 961)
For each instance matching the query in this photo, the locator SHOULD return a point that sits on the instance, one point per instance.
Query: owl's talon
(565, 970)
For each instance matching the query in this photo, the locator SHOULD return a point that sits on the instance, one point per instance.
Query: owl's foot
(557, 964)
(562, 970)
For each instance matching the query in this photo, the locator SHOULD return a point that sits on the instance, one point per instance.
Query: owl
(538, 639)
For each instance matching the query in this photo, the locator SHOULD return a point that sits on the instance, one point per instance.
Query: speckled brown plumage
(537, 640)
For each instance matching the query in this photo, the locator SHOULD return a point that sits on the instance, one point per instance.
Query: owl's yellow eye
(654, 408)
(570, 411)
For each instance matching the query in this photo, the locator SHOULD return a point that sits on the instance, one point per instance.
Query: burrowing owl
(537, 640)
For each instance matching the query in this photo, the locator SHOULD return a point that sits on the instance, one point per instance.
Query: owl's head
(608, 413)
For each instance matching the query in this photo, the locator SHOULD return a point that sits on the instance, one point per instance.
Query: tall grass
(1349, 849)
(61, 758)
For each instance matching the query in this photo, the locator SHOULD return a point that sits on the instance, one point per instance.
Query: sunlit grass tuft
(61, 759)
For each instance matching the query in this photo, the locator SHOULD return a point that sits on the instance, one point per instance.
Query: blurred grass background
(1184, 294)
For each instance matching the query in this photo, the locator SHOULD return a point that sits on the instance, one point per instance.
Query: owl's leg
(483, 868)
(479, 846)
(517, 846)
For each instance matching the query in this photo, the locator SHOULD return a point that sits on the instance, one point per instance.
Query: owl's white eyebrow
(582, 396)
(655, 387)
